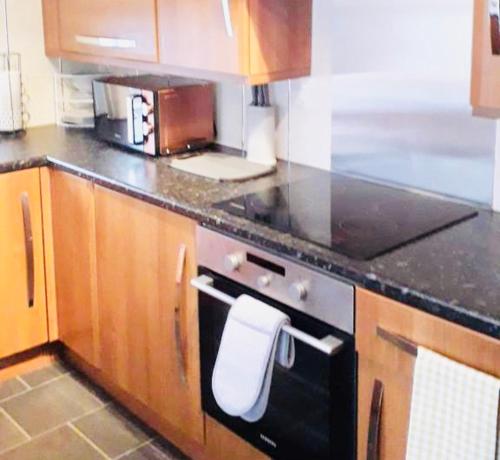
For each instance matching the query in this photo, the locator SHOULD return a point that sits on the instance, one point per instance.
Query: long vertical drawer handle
(179, 346)
(28, 246)
(494, 10)
(373, 448)
(226, 9)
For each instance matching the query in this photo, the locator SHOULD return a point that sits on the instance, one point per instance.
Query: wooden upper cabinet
(385, 370)
(485, 88)
(111, 28)
(260, 40)
(147, 308)
(23, 313)
(73, 225)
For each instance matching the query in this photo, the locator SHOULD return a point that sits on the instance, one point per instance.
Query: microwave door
(135, 131)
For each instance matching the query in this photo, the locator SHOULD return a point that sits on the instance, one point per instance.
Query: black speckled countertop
(454, 274)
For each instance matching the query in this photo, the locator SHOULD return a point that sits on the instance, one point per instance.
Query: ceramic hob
(356, 218)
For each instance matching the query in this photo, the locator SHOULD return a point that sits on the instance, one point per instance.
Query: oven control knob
(147, 109)
(298, 291)
(264, 281)
(147, 129)
(232, 262)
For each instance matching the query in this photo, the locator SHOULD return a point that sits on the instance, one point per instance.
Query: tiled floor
(55, 414)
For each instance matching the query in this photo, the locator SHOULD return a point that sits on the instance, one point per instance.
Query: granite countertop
(454, 274)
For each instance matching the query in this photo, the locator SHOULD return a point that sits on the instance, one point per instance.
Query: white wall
(26, 37)
(310, 134)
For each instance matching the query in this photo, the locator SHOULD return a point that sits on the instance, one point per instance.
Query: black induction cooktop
(353, 217)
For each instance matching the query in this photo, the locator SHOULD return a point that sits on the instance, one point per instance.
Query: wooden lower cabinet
(385, 367)
(23, 313)
(222, 444)
(73, 227)
(147, 309)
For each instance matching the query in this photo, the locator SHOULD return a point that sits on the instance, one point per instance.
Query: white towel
(453, 411)
(251, 341)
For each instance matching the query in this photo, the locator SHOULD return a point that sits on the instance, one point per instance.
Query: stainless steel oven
(311, 409)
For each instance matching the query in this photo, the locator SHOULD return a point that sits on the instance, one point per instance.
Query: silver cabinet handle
(329, 345)
(106, 42)
(28, 246)
(179, 346)
(226, 9)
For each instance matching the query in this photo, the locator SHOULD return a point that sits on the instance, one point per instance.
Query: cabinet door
(74, 260)
(485, 87)
(259, 40)
(391, 365)
(197, 34)
(23, 314)
(149, 323)
(109, 28)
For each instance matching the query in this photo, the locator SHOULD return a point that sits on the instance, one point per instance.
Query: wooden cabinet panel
(223, 444)
(138, 248)
(192, 34)
(23, 313)
(485, 88)
(280, 39)
(393, 367)
(74, 258)
(50, 12)
(112, 28)
(270, 39)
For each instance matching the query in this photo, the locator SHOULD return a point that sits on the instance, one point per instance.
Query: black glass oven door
(311, 408)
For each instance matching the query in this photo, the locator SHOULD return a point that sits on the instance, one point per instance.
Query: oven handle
(329, 345)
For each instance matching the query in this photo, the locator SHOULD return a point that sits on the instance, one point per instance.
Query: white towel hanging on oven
(453, 411)
(251, 341)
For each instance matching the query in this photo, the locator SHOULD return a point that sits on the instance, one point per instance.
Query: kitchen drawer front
(376, 314)
(110, 28)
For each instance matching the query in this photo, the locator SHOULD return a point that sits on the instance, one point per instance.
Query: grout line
(89, 441)
(90, 412)
(142, 444)
(14, 422)
(50, 430)
(19, 379)
(8, 398)
(40, 385)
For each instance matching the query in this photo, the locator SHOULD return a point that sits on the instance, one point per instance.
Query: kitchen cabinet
(23, 312)
(261, 40)
(252, 41)
(485, 88)
(386, 370)
(73, 227)
(221, 442)
(147, 309)
(113, 28)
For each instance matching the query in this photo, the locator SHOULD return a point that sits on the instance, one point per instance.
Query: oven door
(311, 409)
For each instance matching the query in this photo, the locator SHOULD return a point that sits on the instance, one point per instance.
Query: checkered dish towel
(454, 411)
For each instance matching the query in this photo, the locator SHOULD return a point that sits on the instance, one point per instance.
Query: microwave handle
(228, 22)
(135, 130)
(329, 345)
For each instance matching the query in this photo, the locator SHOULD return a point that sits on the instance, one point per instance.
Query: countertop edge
(454, 313)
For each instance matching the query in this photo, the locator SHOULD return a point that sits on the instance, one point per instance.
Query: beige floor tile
(35, 378)
(11, 387)
(10, 434)
(61, 444)
(112, 431)
(50, 405)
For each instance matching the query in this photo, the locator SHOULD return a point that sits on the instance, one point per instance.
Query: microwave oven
(154, 115)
